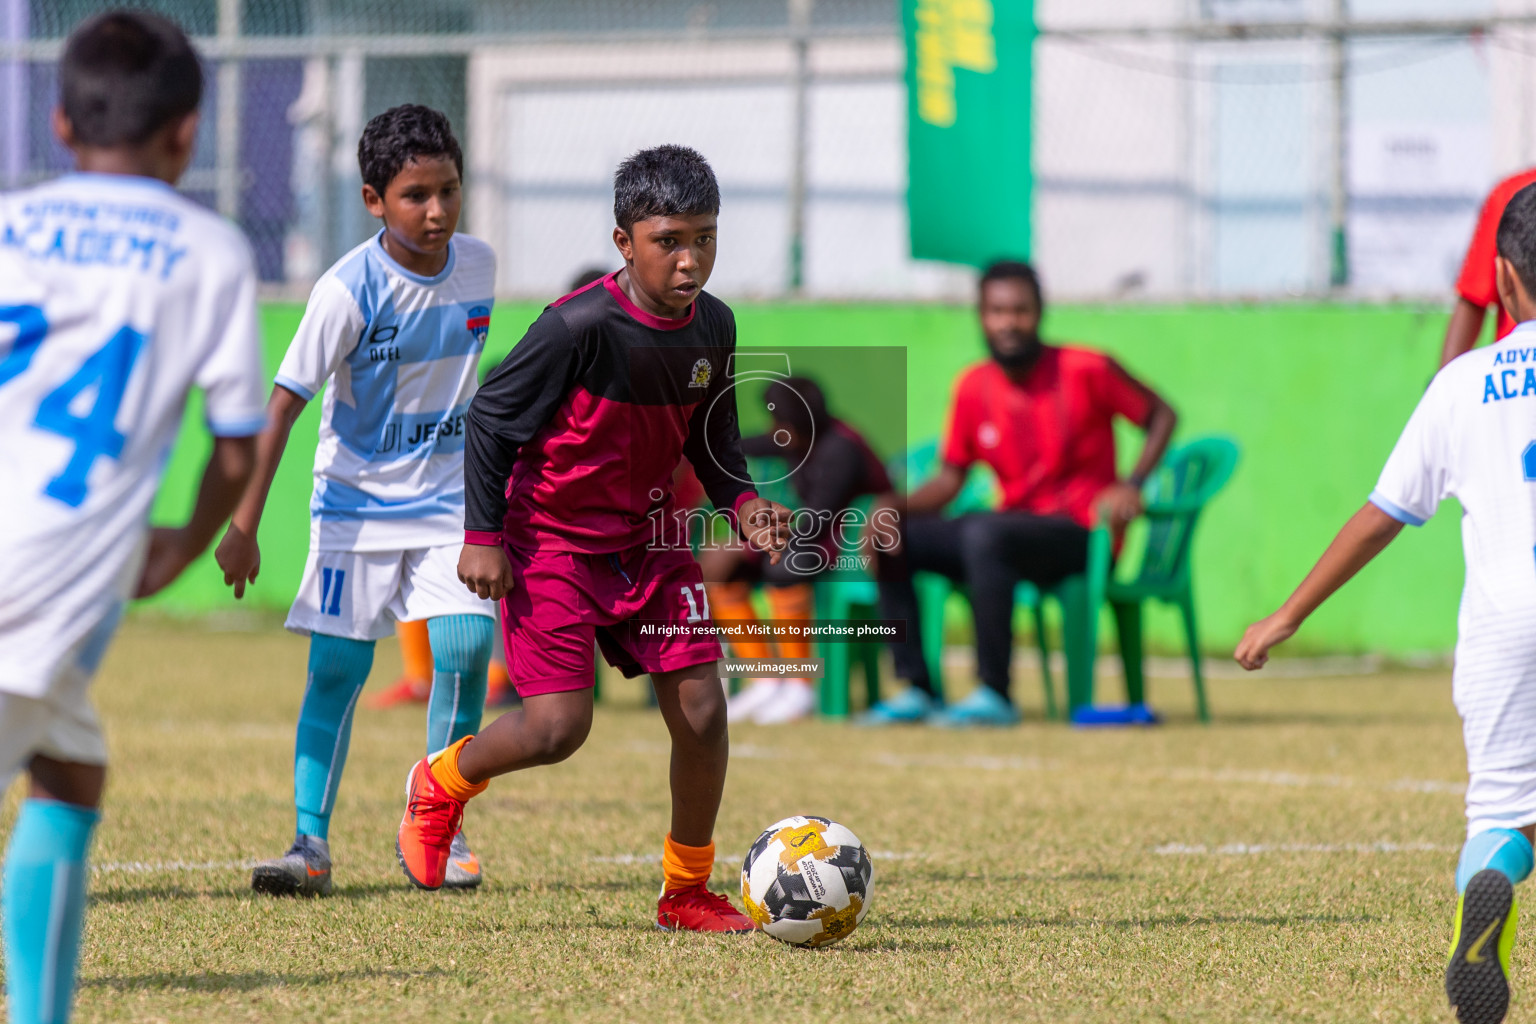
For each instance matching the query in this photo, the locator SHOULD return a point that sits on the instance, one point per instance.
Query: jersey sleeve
(517, 399)
(715, 452)
(1124, 394)
(1415, 478)
(230, 377)
(960, 440)
(329, 332)
(1476, 281)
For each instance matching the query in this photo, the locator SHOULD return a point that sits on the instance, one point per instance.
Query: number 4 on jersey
(93, 430)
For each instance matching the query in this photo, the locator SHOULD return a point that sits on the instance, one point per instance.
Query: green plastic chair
(978, 494)
(1176, 494)
(850, 594)
(1075, 594)
(854, 595)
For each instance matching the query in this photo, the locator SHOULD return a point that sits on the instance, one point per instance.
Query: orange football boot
(432, 818)
(696, 909)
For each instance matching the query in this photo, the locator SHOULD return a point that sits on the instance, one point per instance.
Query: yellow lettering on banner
(950, 34)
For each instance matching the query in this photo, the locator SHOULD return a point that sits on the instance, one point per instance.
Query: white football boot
(795, 699)
(744, 705)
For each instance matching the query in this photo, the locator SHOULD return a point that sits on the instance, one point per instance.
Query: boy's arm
(1462, 329)
(516, 401)
(1364, 537)
(718, 462)
(224, 478)
(238, 553)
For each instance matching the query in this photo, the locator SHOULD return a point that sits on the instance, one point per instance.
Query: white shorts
(1501, 798)
(63, 730)
(361, 595)
(47, 662)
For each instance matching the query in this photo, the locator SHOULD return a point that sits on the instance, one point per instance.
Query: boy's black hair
(1516, 238)
(1014, 270)
(664, 181)
(402, 134)
(125, 75)
(809, 415)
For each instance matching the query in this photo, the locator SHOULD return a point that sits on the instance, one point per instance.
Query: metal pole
(15, 155)
(227, 123)
(1338, 154)
(800, 26)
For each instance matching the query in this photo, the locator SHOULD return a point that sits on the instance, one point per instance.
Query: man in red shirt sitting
(1042, 417)
(1475, 288)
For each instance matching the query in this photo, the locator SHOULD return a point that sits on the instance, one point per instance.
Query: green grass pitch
(1291, 862)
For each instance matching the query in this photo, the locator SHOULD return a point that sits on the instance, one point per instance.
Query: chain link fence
(1183, 148)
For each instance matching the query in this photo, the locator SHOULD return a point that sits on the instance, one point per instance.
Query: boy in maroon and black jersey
(570, 449)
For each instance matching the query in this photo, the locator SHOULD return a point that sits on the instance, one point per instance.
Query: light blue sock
(1502, 849)
(338, 668)
(461, 653)
(45, 874)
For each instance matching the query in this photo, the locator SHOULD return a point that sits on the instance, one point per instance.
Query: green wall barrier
(1315, 395)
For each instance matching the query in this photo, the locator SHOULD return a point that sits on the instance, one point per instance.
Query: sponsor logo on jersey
(479, 322)
(987, 435)
(701, 374)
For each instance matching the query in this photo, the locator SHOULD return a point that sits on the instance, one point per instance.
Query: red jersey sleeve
(1123, 393)
(1475, 284)
(960, 441)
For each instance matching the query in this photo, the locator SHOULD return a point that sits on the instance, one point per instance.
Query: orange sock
(415, 649)
(685, 866)
(445, 769)
(793, 603)
(733, 602)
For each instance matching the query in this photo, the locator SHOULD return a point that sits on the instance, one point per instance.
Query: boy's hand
(484, 569)
(1253, 651)
(765, 525)
(170, 551)
(240, 557)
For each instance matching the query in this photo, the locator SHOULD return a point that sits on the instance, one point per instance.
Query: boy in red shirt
(1475, 288)
(1042, 417)
(570, 450)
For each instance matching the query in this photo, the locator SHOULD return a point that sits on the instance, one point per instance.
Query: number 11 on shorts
(695, 604)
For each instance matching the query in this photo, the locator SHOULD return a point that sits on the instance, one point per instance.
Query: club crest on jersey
(702, 371)
(479, 323)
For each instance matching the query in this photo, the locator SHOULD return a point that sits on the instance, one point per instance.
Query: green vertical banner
(968, 128)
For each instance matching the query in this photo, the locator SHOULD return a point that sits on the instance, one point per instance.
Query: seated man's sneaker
(743, 706)
(982, 707)
(696, 909)
(794, 700)
(463, 866)
(305, 870)
(1477, 978)
(909, 706)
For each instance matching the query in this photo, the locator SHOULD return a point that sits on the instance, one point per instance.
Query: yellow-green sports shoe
(1477, 978)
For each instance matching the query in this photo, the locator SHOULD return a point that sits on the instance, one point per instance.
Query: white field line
(147, 867)
(979, 762)
(655, 858)
(1255, 849)
(1301, 779)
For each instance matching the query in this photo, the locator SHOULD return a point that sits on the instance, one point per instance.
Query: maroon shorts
(645, 608)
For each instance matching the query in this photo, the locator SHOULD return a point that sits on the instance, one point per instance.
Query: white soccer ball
(807, 881)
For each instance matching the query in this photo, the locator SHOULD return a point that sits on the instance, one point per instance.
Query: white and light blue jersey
(1473, 438)
(401, 353)
(117, 297)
